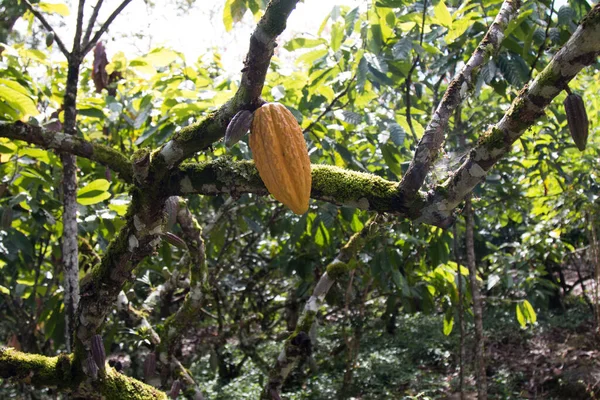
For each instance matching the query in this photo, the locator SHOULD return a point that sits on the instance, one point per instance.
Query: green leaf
(310, 57)
(36, 154)
(448, 323)
(18, 101)
(54, 8)
(233, 12)
(337, 36)
(529, 312)
(4, 290)
(94, 192)
(303, 43)
(442, 14)
(520, 316)
(91, 112)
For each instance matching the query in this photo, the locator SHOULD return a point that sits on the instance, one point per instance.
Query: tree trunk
(477, 303)
(461, 325)
(70, 252)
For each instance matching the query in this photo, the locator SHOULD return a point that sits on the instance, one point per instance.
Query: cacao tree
(136, 245)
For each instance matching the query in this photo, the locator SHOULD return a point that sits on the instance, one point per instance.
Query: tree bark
(477, 303)
(70, 253)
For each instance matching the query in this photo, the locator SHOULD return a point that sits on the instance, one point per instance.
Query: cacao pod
(49, 39)
(98, 354)
(175, 240)
(149, 366)
(280, 156)
(577, 119)
(238, 127)
(175, 389)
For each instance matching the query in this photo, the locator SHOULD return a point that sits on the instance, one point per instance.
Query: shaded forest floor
(558, 358)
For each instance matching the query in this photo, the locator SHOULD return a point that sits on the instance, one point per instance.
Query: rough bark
(60, 372)
(69, 144)
(581, 50)
(197, 137)
(477, 303)
(70, 252)
(458, 90)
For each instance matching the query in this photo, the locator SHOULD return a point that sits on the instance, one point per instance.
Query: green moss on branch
(36, 369)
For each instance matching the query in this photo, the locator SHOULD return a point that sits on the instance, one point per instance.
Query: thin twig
(330, 106)
(104, 28)
(543, 45)
(44, 22)
(78, 29)
(91, 22)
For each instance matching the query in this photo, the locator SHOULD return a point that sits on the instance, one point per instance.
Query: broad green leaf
(4, 290)
(233, 11)
(303, 43)
(529, 312)
(310, 57)
(442, 14)
(520, 316)
(36, 154)
(94, 192)
(448, 323)
(161, 57)
(337, 36)
(18, 101)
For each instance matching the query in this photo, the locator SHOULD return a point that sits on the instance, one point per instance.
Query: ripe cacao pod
(238, 127)
(577, 119)
(280, 155)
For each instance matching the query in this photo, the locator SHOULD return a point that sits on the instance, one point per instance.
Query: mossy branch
(61, 373)
(458, 90)
(69, 144)
(332, 184)
(581, 50)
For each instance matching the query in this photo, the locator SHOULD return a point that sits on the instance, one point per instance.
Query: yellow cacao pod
(280, 155)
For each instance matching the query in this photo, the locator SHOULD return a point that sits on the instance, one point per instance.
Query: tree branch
(89, 45)
(78, 29)
(178, 324)
(91, 22)
(433, 139)
(60, 372)
(581, 50)
(196, 137)
(329, 183)
(543, 45)
(69, 144)
(44, 22)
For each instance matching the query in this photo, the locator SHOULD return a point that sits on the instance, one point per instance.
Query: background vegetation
(363, 88)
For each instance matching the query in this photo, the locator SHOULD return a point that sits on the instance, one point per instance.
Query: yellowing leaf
(529, 312)
(54, 8)
(442, 14)
(18, 101)
(161, 57)
(520, 316)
